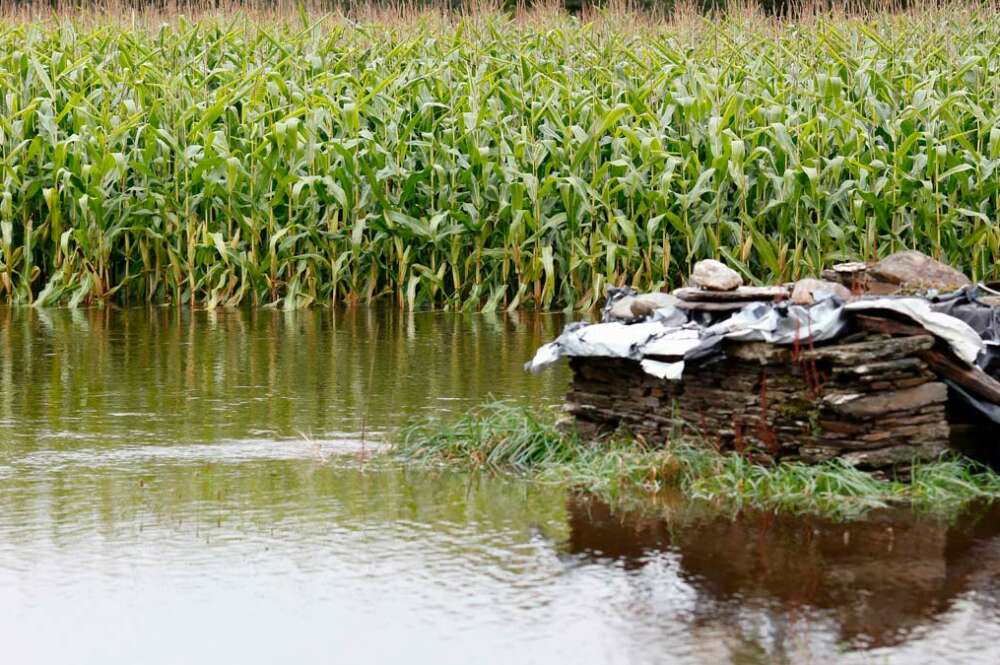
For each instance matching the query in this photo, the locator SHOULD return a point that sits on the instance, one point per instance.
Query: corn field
(488, 162)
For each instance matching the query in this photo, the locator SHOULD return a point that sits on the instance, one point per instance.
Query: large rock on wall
(715, 276)
(912, 269)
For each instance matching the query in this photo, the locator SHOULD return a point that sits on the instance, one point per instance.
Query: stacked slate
(872, 403)
(881, 406)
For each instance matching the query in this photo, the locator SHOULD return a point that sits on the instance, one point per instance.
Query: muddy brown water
(180, 488)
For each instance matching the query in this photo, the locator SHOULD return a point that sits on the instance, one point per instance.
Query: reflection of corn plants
(490, 164)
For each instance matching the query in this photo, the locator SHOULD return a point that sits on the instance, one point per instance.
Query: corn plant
(485, 163)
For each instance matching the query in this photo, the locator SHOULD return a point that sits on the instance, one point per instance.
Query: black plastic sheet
(967, 306)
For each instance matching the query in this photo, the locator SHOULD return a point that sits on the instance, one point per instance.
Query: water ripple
(218, 452)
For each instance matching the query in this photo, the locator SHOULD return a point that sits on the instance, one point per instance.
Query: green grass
(485, 162)
(502, 438)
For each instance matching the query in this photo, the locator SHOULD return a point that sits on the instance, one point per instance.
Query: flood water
(182, 487)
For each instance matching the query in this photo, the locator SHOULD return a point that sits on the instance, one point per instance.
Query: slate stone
(759, 352)
(743, 294)
(867, 352)
(850, 274)
(878, 404)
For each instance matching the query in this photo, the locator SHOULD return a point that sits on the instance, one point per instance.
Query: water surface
(182, 487)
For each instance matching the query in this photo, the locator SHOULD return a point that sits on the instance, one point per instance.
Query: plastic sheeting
(783, 324)
(986, 409)
(963, 340)
(984, 319)
(667, 334)
(662, 370)
(619, 340)
(966, 305)
(607, 340)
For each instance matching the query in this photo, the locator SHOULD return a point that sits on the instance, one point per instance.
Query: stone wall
(872, 402)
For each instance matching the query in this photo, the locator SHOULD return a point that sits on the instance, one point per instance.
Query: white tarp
(762, 322)
(662, 370)
(673, 342)
(609, 340)
(605, 340)
(665, 336)
(618, 340)
(964, 341)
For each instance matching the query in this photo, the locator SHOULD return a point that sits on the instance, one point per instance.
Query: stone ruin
(880, 395)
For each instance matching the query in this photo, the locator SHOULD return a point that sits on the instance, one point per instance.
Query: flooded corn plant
(177, 483)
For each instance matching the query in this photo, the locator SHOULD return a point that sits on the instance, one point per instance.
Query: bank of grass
(482, 159)
(502, 438)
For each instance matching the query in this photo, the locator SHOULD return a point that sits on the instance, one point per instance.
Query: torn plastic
(662, 370)
(667, 334)
(611, 340)
(674, 342)
(618, 340)
(783, 324)
(670, 316)
(963, 340)
(665, 342)
(989, 360)
(966, 305)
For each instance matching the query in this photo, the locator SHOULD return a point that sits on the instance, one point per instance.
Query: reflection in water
(877, 582)
(158, 504)
(156, 375)
(264, 561)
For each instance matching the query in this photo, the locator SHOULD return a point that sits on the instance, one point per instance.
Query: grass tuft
(503, 438)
